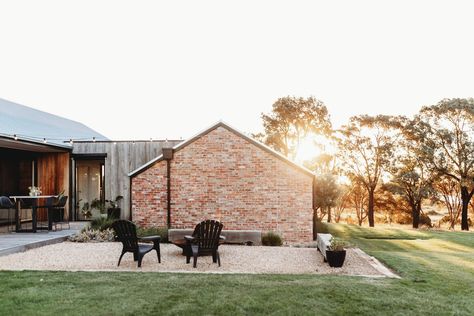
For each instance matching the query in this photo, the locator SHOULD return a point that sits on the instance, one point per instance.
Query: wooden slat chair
(127, 233)
(205, 241)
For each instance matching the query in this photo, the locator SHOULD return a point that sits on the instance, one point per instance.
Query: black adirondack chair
(205, 241)
(127, 233)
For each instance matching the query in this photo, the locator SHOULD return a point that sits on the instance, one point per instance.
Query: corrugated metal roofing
(35, 125)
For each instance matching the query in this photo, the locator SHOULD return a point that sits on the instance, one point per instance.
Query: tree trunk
(329, 214)
(371, 208)
(466, 197)
(415, 210)
(315, 226)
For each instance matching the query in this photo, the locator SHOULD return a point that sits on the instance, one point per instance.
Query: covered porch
(25, 163)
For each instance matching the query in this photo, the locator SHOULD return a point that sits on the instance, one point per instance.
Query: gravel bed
(69, 256)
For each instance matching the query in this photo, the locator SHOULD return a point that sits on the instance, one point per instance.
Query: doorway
(89, 187)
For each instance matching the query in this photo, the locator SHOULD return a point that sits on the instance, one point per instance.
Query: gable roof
(233, 130)
(33, 125)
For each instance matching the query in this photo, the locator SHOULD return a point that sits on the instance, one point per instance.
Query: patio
(17, 242)
(70, 256)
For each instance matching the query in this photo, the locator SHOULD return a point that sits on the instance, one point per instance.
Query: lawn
(437, 270)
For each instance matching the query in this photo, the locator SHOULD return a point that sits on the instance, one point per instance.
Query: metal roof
(32, 125)
(236, 132)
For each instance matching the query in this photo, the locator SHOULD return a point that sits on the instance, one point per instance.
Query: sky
(169, 69)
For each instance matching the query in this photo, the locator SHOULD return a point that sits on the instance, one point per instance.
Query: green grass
(437, 270)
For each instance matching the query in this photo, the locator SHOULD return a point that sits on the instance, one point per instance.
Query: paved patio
(18, 242)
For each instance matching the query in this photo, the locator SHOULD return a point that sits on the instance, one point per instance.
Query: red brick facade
(224, 176)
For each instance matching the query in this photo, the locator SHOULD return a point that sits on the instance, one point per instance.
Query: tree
(358, 198)
(448, 193)
(291, 120)
(322, 163)
(445, 133)
(366, 144)
(342, 201)
(326, 192)
(389, 203)
(410, 178)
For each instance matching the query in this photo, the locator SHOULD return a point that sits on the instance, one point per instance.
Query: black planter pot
(336, 258)
(113, 213)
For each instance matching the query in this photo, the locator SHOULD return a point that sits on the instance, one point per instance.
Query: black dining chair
(57, 213)
(7, 205)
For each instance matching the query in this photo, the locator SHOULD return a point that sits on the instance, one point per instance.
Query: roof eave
(231, 129)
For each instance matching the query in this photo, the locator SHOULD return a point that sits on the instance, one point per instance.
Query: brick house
(225, 175)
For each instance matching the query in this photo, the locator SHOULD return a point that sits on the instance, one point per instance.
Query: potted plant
(85, 210)
(113, 209)
(35, 191)
(336, 252)
(100, 206)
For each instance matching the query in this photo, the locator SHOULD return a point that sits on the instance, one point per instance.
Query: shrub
(101, 223)
(320, 227)
(93, 235)
(271, 239)
(446, 220)
(425, 220)
(406, 218)
(160, 231)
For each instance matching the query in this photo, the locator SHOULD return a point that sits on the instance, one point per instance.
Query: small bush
(320, 227)
(160, 231)
(93, 235)
(407, 219)
(425, 220)
(446, 220)
(271, 239)
(101, 223)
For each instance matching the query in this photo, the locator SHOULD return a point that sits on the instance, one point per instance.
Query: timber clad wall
(225, 177)
(53, 177)
(122, 158)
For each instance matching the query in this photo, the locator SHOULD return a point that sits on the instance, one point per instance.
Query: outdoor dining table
(34, 211)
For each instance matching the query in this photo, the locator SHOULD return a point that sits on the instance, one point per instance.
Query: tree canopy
(292, 119)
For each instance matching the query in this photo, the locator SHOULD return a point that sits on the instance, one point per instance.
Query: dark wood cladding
(15, 171)
(53, 175)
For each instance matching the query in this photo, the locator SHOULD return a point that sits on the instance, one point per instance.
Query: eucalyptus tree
(322, 164)
(411, 179)
(342, 201)
(365, 145)
(447, 191)
(357, 199)
(291, 120)
(445, 134)
(326, 193)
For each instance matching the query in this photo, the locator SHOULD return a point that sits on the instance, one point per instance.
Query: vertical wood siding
(122, 158)
(53, 176)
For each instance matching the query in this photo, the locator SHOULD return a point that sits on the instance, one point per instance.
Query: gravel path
(70, 256)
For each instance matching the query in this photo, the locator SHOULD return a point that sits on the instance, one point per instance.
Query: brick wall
(225, 177)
